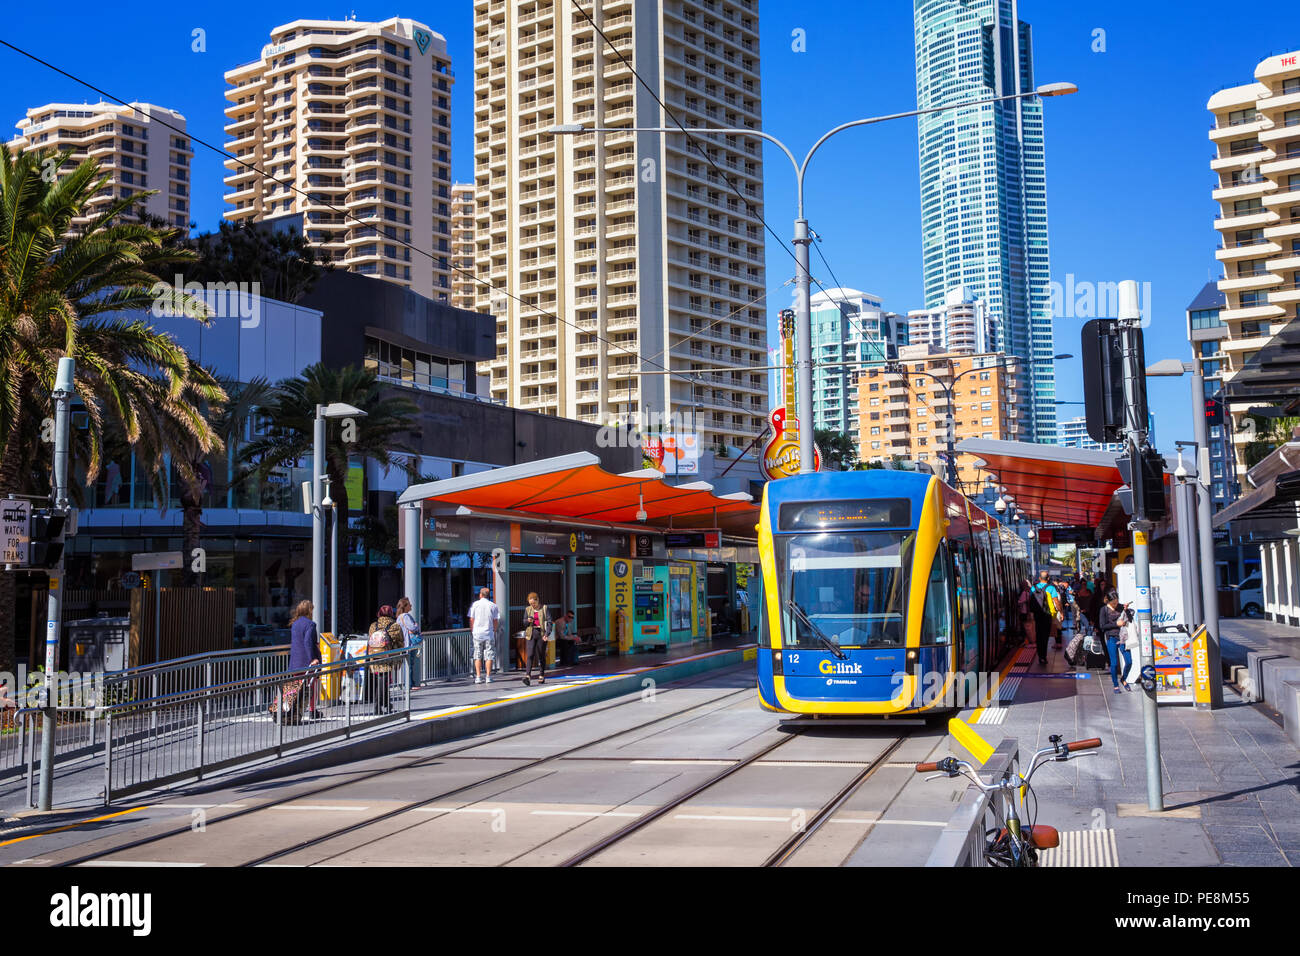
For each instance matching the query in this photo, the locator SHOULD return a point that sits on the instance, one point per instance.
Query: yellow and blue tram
(885, 593)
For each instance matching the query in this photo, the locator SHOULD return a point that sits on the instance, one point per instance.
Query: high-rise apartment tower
(624, 252)
(349, 127)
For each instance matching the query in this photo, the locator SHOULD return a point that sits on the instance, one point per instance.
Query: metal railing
(78, 729)
(963, 840)
(186, 734)
(445, 655)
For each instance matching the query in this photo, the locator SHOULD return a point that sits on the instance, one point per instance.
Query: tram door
(968, 622)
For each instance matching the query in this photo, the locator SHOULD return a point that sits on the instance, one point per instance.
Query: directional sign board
(157, 561)
(15, 531)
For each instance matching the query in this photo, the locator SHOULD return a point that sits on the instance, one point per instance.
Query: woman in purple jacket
(304, 645)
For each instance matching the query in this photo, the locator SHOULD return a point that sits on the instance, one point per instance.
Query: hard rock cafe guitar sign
(781, 453)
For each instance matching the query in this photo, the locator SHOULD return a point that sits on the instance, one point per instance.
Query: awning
(1270, 512)
(577, 488)
(1050, 483)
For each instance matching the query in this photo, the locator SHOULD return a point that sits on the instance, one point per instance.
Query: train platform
(440, 711)
(1230, 776)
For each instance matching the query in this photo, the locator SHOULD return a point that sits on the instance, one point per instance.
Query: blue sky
(1127, 157)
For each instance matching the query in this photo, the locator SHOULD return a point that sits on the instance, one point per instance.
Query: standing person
(537, 631)
(410, 637)
(1025, 604)
(483, 620)
(566, 637)
(1044, 616)
(385, 635)
(304, 648)
(1052, 598)
(1112, 617)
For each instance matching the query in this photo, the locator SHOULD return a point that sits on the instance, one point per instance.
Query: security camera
(641, 516)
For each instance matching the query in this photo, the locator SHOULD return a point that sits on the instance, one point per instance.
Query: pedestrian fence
(192, 732)
(440, 655)
(83, 697)
(963, 840)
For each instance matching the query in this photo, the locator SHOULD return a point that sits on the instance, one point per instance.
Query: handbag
(1094, 646)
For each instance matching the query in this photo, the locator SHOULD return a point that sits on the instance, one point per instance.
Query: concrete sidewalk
(1231, 777)
(439, 711)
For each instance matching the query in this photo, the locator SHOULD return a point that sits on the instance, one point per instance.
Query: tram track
(102, 856)
(792, 845)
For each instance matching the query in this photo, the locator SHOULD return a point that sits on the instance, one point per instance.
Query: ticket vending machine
(650, 625)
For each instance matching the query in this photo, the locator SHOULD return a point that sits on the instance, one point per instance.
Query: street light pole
(1130, 328)
(803, 279)
(62, 395)
(1209, 582)
(318, 521)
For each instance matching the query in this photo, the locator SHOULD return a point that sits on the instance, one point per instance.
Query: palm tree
(60, 286)
(839, 450)
(379, 437)
(191, 459)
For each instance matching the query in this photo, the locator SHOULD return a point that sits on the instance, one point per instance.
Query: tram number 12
(794, 658)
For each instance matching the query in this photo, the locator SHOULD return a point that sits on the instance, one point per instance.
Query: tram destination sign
(852, 513)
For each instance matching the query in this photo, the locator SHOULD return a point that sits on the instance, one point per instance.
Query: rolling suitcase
(1094, 653)
(290, 698)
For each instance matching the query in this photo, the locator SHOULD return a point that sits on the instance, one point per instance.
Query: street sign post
(157, 562)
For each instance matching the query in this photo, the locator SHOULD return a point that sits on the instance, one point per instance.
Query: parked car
(1250, 596)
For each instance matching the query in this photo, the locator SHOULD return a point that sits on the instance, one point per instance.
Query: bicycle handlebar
(1090, 744)
(929, 767)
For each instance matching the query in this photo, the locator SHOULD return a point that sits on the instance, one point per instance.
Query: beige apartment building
(905, 415)
(137, 152)
(464, 290)
(630, 251)
(351, 123)
(1257, 134)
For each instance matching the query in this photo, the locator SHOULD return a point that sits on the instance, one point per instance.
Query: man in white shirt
(483, 619)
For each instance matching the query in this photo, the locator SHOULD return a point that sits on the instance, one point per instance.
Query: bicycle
(1010, 844)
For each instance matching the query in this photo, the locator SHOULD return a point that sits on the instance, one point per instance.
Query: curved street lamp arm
(803, 169)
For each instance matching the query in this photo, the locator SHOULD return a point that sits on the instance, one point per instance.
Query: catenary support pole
(1204, 518)
(62, 395)
(411, 559)
(318, 521)
(803, 345)
(1130, 328)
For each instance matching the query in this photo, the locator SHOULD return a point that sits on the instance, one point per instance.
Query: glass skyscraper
(983, 181)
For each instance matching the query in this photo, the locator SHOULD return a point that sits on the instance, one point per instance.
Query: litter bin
(330, 651)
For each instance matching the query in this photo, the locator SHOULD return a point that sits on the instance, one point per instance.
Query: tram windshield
(851, 586)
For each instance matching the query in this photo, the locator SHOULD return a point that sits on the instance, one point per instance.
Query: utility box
(98, 644)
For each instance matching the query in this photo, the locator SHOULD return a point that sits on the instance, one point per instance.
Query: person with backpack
(1044, 616)
(385, 635)
(538, 630)
(1052, 600)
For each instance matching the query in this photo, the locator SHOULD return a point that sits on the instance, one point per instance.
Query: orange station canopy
(577, 489)
(1051, 483)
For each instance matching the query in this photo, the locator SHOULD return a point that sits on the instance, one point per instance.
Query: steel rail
(797, 840)
(423, 762)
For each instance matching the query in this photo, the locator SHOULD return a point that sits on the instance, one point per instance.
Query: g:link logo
(839, 667)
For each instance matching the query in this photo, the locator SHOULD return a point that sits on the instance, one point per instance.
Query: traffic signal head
(46, 539)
